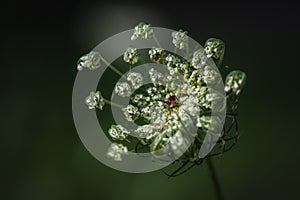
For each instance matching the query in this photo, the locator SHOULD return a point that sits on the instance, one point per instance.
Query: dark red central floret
(172, 100)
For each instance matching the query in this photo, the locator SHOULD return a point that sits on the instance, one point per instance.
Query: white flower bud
(136, 79)
(131, 56)
(156, 77)
(199, 59)
(157, 55)
(115, 151)
(144, 30)
(123, 89)
(95, 100)
(235, 81)
(210, 75)
(180, 39)
(118, 132)
(90, 61)
(214, 48)
(131, 113)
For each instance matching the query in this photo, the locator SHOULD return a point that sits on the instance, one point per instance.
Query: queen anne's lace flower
(131, 56)
(176, 106)
(136, 79)
(235, 81)
(214, 48)
(199, 59)
(144, 30)
(180, 39)
(95, 100)
(90, 61)
(131, 112)
(118, 132)
(115, 151)
(123, 89)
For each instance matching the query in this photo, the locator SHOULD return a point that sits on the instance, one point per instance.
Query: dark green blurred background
(42, 156)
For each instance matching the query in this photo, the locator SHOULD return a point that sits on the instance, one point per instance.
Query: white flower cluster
(180, 39)
(199, 59)
(166, 113)
(214, 48)
(210, 75)
(131, 56)
(136, 79)
(172, 62)
(170, 106)
(157, 55)
(144, 30)
(235, 81)
(123, 89)
(90, 61)
(115, 151)
(95, 100)
(118, 132)
(131, 112)
(156, 77)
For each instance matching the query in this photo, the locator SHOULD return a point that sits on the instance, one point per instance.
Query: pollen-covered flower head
(131, 56)
(144, 30)
(235, 81)
(214, 48)
(180, 39)
(90, 61)
(95, 100)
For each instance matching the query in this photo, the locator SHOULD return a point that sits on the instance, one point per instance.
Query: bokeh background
(42, 156)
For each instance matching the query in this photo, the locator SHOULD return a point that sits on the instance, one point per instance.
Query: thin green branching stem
(142, 60)
(214, 178)
(113, 104)
(156, 40)
(221, 60)
(111, 67)
(187, 53)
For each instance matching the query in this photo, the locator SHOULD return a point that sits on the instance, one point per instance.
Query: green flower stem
(112, 67)
(156, 40)
(113, 104)
(187, 51)
(142, 60)
(221, 60)
(214, 178)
